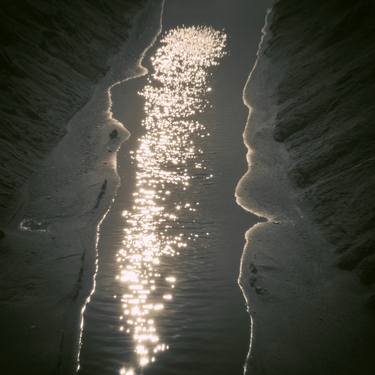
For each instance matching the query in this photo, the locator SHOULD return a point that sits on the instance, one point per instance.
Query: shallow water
(167, 299)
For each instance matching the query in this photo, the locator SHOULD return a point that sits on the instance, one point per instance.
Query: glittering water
(167, 158)
(175, 92)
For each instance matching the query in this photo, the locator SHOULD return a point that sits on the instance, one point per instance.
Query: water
(167, 299)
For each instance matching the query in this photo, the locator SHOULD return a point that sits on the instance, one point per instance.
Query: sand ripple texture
(325, 119)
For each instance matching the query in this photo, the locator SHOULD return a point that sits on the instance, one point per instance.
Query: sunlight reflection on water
(176, 90)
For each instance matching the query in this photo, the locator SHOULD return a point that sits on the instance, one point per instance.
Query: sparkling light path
(166, 156)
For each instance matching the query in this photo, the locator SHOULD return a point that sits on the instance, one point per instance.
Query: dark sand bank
(326, 120)
(310, 156)
(53, 53)
(48, 262)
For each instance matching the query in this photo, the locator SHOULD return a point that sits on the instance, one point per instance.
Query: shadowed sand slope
(48, 253)
(52, 55)
(311, 175)
(325, 119)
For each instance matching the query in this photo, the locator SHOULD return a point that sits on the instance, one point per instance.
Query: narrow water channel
(167, 299)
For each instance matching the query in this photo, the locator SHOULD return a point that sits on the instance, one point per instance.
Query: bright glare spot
(123, 371)
(170, 279)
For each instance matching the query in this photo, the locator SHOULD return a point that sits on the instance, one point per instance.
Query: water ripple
(167, 159)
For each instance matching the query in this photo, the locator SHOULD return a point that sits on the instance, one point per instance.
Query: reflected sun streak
(175, 92)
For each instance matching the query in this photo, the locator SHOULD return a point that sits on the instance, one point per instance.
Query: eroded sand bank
(47, 267)
(307, 316)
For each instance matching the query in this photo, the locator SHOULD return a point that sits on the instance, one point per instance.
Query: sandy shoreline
(208, 315)
(300, 304)
(65, 202)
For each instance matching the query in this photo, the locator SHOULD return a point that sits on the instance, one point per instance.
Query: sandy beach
(50, 262)
(301, 306)
(184, 192)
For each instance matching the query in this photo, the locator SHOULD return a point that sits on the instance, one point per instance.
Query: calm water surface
(166, 298)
